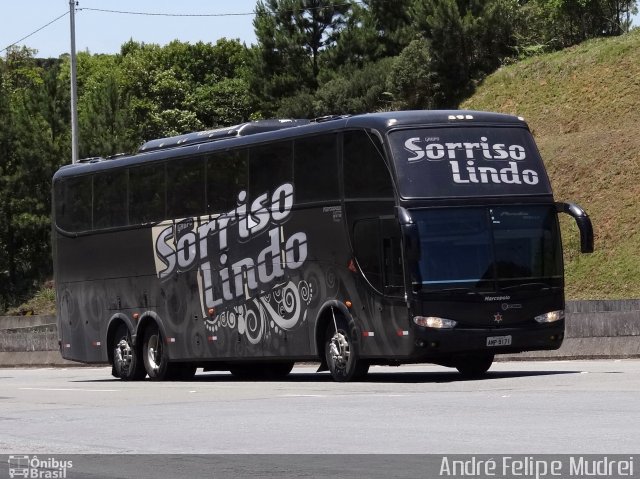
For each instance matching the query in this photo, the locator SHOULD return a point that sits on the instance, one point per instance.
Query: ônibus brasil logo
(36, 468)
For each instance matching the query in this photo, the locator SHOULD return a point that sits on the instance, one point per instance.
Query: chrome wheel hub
(154, 352)
(123, 355)
(339, 350)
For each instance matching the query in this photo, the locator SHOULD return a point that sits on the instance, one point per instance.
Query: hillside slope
(583, 105)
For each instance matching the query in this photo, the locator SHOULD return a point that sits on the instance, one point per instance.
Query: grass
(583, 106)
(43, 302)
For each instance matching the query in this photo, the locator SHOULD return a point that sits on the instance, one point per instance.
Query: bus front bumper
(433, 343)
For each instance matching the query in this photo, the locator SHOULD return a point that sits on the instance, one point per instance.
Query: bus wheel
(341, 355)
(474, 366)
(126, 362)
(156, 360)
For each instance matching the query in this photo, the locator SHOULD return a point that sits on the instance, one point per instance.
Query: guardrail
(594, 329)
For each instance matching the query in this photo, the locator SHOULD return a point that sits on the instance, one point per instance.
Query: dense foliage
(312, 58)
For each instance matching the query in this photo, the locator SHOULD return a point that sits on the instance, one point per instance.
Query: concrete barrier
(30, 341)
(594, 329)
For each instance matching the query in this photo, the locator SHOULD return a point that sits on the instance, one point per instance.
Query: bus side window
(365, 172)
(269, 167)
(226, 177)
(110, 199)
(147, 194)
(185, 187)
(73, 203)
(366, 244)
(315, 169)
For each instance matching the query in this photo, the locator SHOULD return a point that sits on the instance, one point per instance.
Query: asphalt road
(520, 408)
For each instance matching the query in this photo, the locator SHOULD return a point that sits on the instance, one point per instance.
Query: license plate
(493, 341)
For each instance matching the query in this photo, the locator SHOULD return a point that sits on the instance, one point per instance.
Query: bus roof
(261, 131)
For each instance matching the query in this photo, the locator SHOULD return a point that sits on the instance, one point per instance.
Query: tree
(292, 36)
(561, 23)
(374, 30)
(468, 39)
(181, 87)
(29, 142)
(412, 81)
(355, 90)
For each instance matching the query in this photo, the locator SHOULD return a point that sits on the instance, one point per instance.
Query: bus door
(378, 249)
(394, 307)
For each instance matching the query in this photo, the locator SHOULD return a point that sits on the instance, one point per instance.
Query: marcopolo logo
(38, 468)
(462, 157)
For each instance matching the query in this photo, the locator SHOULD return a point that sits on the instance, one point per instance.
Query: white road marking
(303, 396)
(71, 389)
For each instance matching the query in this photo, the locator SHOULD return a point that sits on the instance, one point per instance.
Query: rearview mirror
(584, 224)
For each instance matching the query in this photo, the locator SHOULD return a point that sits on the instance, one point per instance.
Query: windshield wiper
(531, 286)
(449, 290)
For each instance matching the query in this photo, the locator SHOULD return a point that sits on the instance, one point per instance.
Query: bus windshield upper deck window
(467, 161)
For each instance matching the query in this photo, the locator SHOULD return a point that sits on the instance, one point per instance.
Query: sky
(103, 32)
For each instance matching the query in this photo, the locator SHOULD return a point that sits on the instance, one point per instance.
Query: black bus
(385, 238)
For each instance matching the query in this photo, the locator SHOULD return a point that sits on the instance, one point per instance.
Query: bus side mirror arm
(584, 224)
(404, 217)
(410, 235)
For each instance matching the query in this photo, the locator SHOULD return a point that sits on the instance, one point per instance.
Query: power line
(243, 14)
(154, 14)
(34, 32)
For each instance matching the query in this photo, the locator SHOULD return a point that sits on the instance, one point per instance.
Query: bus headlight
(434, 322)
(551, 317)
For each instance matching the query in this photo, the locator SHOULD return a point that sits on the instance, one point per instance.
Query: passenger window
(269, 167)
(147, 194)
(315, 169)
(365, 172)
(226, 177)
(185, 188)
(110, 199)
(73, 203)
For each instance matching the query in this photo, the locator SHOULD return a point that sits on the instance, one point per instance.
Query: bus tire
(474, 366)
(127, 364)
(341, 353)
(154, 354)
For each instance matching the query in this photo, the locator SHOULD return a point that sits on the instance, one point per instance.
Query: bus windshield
(485, 249)
(458, 162)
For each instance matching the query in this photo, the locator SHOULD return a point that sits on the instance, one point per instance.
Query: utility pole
(74, 84)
